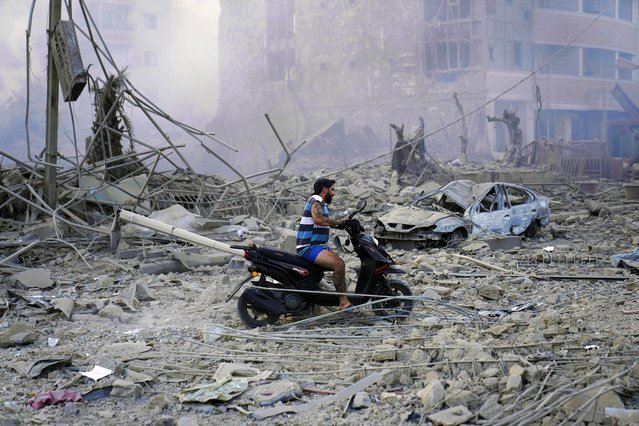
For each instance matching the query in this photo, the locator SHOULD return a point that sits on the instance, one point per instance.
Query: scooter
(290, 285)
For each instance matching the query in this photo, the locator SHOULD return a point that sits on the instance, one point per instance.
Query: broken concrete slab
(594, 402)
(385, 352)
(163, 267)
(361, 400)
(491, 407)
(451, 416)
(18, 335)
(490, 291)
(64, 305)
(358, 191)
(432, 395)
(137, 291)
(192, 260)
(126, 350)
(35, 278)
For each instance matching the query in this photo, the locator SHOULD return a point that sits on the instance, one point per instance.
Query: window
(150, 21)
(464, 9)
(517, 196)
(447, 46)
(442, 56)
(625, 10)
(508, 33)
(115, 17)
(464, 54)
(490, 7)
(586, 125)
(566, 62)
(517, 54)
(572, 5)
(434, 10)
(494, 200)
(446, 10)
(599, 63)
(599, 6)
(448, 55)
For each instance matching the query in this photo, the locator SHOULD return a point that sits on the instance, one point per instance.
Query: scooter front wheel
(399, 307)
(253, 317)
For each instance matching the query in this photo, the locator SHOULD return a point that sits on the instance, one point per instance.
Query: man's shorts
(310, 253)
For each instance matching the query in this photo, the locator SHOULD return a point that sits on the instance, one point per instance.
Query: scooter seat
(290, 258)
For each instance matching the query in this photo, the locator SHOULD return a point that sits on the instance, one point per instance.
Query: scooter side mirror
(358, 208)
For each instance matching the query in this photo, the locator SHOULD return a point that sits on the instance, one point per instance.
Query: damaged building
(561, 66)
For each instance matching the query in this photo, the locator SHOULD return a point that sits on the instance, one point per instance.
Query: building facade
(374, 62)
(137, 34)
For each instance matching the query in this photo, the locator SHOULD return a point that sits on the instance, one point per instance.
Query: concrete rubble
(539, 332)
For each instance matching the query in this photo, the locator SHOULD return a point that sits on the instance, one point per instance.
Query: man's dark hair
(322, 183)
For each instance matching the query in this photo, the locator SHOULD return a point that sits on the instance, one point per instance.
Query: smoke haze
(185, 82)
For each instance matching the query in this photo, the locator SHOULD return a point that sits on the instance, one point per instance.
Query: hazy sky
(194, 69)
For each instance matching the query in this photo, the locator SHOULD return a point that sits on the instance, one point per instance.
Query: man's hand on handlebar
(350, 224)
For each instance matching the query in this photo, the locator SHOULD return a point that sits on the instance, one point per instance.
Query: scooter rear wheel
(253, 317)
(398, 308)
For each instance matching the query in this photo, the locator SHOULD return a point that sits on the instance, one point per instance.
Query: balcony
(559, 27)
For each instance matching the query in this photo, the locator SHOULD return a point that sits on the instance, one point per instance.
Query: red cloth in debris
(54, 397)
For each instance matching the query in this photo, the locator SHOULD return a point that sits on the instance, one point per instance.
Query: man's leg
(329, 260)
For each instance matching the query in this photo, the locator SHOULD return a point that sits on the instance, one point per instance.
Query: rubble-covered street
(544, 333)
(166, 174)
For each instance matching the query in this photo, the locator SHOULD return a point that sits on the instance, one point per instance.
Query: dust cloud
(183, 82)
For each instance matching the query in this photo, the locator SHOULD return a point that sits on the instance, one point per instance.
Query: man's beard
(328, 198)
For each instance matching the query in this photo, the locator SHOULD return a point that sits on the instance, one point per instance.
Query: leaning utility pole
(53, 89)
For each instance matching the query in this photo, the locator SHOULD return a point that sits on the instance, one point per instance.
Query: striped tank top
(308, 232)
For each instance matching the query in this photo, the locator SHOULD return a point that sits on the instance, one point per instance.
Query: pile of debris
(131, 323)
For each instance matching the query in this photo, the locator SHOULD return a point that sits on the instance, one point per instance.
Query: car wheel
(455, 237)
(532, 230)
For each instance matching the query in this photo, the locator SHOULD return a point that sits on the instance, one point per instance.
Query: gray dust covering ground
(505, 337)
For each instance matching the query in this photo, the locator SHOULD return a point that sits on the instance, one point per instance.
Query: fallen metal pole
(178, 233)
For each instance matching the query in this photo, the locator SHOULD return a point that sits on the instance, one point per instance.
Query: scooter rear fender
(264, 301)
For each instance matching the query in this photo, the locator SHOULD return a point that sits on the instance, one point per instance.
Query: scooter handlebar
(352, 226)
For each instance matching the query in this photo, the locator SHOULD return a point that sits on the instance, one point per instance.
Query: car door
(492, 213)
(523, 207)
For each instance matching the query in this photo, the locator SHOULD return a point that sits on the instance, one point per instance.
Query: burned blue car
(461, 208)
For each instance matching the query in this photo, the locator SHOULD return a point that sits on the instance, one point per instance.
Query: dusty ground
(553, 339)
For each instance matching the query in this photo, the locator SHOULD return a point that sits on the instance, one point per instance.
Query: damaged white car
(461, 208)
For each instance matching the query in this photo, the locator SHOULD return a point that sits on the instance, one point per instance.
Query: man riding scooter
(288, 284)
(312, 237)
